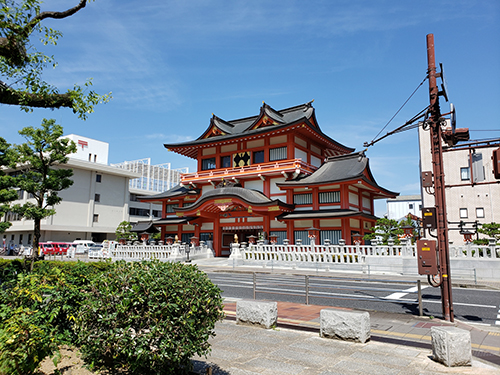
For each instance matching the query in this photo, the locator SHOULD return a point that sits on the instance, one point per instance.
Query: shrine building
(274, 175)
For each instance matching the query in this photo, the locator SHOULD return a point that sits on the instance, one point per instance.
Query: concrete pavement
(400, 343)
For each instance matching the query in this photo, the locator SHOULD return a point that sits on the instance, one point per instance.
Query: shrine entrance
(242, 233)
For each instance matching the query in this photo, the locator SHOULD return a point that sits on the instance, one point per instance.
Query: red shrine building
(271, 175)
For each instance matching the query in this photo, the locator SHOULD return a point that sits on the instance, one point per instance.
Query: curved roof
(175, 192)
(323, 214)
(249, 196)
(268, 120)
(339, 169)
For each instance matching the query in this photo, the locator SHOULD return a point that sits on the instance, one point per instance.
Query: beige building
(472, 191)
(100, 198)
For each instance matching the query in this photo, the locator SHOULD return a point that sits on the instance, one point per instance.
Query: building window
(465, 173)
(277, 154)
(207, 164)
(98, 178)
(479, 212)
(329, 197)
(138, 211)
(225, 161)
(333, 235)
(303, 198)
(133, 197)
(410, 206)
(96, 218)
(463, 213)
(170, 208)
(97, 198)
(20, 194)
(156, 213)
(258, 157)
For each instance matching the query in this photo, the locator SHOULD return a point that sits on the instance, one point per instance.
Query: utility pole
(434, 122)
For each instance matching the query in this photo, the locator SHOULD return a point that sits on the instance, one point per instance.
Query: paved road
(470, 305)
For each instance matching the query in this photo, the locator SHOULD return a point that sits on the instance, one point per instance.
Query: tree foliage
(491, 230)
(7, 193)
(385, 229)
(22, 65)
(39, 171)
(123, 231)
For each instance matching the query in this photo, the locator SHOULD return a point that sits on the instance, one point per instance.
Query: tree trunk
(36, 240)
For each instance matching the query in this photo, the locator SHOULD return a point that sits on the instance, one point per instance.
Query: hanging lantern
(312, 232)
(467, 236)
(357, 238)
(408, 229)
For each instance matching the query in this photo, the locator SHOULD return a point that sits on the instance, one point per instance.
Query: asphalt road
(478, 306)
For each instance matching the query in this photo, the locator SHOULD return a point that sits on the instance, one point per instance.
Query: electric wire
(400, 108)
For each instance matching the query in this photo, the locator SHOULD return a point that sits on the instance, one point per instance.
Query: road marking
(498, 317)
(399, 295)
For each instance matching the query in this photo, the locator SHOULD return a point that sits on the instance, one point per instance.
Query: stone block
(345, 325)
(264, 314)
(451, 346)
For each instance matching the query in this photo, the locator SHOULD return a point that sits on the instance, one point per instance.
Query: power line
(400, 108)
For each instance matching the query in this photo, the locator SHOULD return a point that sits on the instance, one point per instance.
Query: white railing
(171, 253)
(470, 261)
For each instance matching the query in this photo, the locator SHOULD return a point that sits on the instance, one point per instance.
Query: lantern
(273, 239)
(194, 241)
(312, 232)
(467, 236)
(357, 238)
(251, 239)
(408, 230)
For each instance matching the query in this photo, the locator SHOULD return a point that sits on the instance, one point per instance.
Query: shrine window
(258, 157)
(277, 154)
(329, 197)
(170, 208)
(207, 164)
(303, 198)
(225, 161)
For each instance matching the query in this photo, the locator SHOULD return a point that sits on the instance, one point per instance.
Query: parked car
(45, 248)
(60, 248)
(82, 246)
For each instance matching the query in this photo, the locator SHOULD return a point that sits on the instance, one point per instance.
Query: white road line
(399, 295)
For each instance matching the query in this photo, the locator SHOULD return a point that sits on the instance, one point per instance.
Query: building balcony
(287, 168)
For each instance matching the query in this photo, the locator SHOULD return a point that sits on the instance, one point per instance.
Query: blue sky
(171, 64)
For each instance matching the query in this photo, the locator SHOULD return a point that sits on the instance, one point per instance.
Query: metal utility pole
(434, 122)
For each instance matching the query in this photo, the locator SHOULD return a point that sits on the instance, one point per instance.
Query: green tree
(7, 193)
(123, 231)
(22, 65)
(385, 228)
(491, 230)
(40, 174)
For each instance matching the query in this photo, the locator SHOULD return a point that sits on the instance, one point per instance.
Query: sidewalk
(246, 350)
(403, 332)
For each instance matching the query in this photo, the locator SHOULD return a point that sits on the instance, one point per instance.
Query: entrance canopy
(217, 202)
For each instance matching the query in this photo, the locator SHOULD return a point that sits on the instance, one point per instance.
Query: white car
(82, 246)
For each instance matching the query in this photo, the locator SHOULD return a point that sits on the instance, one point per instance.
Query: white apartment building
(472, 191)
(91, 209)
(399, 207)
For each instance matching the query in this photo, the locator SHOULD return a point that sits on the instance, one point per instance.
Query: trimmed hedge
(148, 317)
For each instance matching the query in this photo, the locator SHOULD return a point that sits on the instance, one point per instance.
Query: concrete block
(451, 346)
(345, 325)
(264, 314)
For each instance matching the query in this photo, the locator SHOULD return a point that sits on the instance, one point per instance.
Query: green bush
(148, 317)
(25, 340)
(37, 310)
